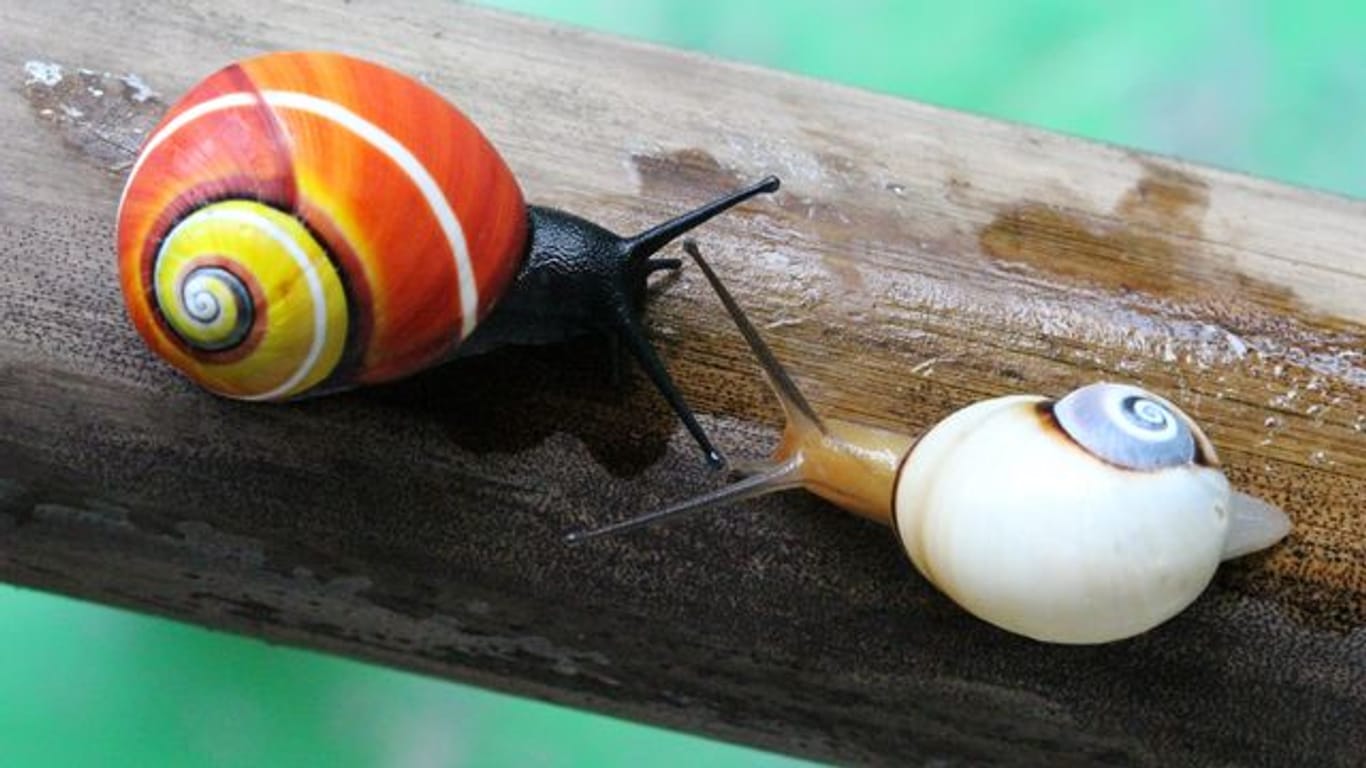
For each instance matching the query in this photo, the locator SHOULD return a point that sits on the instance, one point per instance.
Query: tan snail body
(1087, 519)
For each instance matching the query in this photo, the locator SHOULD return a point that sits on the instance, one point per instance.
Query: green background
(1276, 89)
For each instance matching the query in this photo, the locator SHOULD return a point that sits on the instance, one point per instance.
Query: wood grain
(916, 260)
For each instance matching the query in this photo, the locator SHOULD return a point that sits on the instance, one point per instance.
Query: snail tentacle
(1254, 525)
(628, 329)
(795, 405)
(770, 479)
(644, 245)
(848, 464)
(662, 265)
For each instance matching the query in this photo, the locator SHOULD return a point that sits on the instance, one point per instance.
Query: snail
(301, 223)
(1086, 519)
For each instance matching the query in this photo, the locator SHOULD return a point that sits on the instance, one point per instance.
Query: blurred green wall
(1272, 88)
(1275, 88)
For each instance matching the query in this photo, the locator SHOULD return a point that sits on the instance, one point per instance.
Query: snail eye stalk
(626, 296)
(764, 477)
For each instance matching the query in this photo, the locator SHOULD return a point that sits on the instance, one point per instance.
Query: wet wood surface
(915, 261)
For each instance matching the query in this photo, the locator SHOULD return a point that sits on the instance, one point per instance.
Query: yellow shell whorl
(253, 298)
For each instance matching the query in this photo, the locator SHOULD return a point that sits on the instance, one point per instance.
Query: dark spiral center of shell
(1149, 417)
(202, 296)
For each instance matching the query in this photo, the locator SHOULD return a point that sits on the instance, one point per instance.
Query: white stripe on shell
(306, 267)
(379, 139)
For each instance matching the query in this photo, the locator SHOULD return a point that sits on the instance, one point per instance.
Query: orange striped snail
(1106, 512)
(304, 222)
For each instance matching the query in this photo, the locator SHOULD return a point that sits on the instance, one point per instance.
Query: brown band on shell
(359, 296)
(1043, 410)
(1205, 455)
(896, 483)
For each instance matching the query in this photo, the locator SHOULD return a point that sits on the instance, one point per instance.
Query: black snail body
(305, 222)
(581, 279)
(1086, 519)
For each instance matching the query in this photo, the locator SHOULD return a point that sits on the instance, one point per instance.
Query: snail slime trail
(1106, 512)
(301, 223)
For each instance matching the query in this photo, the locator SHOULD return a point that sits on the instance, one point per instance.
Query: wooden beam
(916, 261)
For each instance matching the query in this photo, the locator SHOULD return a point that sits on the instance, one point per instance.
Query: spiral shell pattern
(305, 222)
(1128, 426)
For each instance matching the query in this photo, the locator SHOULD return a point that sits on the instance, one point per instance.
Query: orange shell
(413, 207)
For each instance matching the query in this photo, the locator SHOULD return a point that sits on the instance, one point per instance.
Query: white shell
(1027, 530)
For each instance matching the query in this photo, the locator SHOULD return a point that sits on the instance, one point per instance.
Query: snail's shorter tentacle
(662, 265)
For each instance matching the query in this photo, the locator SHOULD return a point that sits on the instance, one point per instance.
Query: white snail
(1083, 520)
